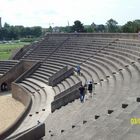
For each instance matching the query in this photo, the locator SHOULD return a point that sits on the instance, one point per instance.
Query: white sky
(59, 12)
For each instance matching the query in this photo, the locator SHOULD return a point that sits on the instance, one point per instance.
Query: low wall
(104, 35)
(22, 95)
(61, 75)
(15, 72)
(56, 75)
(20, 52)
(28, 72)
(34, 133)
(65, 97)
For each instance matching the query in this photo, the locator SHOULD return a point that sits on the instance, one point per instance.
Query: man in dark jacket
(90, 88)
(82, 93)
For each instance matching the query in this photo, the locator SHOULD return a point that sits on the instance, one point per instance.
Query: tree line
(110, 27)
(16, 32)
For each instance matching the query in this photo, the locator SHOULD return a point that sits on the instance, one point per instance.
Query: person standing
(82, 93)
(90, 88)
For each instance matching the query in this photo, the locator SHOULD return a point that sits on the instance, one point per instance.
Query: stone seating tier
(5, 66)
(112, 63)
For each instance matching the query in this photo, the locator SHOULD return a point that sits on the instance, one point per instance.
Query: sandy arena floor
(10, 109)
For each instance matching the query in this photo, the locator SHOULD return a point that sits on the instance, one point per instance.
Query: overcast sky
(59, 12)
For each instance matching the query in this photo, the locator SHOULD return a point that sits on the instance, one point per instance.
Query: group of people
(87, 87)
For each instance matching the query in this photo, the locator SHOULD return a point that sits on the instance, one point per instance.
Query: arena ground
(10, 109)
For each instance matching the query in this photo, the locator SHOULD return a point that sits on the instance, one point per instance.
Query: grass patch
(4, 55)
(7, 49)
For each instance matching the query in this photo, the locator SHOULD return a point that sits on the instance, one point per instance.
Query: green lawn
(7, 49)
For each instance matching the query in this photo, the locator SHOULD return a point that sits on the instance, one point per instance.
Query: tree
(93, 26)
(89, 29)
(15, 32)
(36, 31)
(128, 27)
(6, 25)
(78, 27)
(66, 29)
(131, 26)
(100, 28)
(112, 25)
(20, 31)
(50, 29)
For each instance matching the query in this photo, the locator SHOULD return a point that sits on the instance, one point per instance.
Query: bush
(27, 39)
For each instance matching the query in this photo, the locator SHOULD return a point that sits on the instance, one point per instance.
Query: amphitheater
(42, 79)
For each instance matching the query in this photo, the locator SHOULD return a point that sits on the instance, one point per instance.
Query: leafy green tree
(131, 26)
(78, 27)
(6, 25)
(36, 31)
(136, 24)
(112, 26)
(128, 27)
(93, 26)
(89, 29)
(19, 30)
(15, 32)
(2, 33)
(100, 28)
(66, 29)
(50, 29)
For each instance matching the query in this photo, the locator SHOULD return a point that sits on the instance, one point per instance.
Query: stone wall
(35, 133)
(15, 72)
(65, 97)
(20, 94)
(19, 52)
(24, 97)
(103, 35)
(28, 72)
(60, 75)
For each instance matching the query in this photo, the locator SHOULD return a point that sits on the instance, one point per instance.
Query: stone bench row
(111, 64)
(95, 107)
(6, 66)
(40, 47)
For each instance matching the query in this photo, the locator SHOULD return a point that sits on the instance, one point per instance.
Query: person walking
(78, 70)
(82, 93)
(90, 88)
